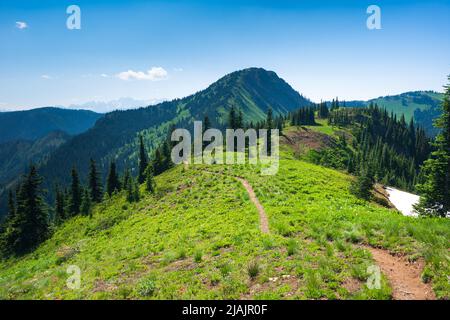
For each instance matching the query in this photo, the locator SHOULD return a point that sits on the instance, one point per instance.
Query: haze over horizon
(152, 51)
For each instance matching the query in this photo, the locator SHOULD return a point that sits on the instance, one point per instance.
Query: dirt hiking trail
(264, 221)
(403, 276)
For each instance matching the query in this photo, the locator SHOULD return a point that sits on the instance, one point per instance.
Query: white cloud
(104, 75)
(46, 77)
(154, 74)
(21, 25)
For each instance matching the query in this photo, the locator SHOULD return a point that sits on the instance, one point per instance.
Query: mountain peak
(252, 90)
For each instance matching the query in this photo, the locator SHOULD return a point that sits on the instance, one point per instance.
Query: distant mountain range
(37, 123)
(118, 104)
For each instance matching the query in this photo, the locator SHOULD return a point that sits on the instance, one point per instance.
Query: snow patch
(403, 201)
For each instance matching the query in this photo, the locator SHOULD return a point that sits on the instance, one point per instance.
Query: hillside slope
(37, 123)
(199, 237)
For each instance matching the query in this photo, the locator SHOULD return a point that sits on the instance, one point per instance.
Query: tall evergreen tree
(130, 191)
(8, 231)
(112, 182)
(136, 192)
(30, 224)
(167, 157)
(149, 180)
(158, 162)
(269, 126)
(240, 120)
(11, 205)
(126, 179)
(133, 194)
(269, 119)
(143, 160)
(95, 185)
(60, 206)
(435, 191)
(206, 123)
(206, 126)
(75, 193)
(86, 204)
(232, 118)
(363, 185)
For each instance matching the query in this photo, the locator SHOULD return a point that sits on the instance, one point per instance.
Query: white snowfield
(403, 201)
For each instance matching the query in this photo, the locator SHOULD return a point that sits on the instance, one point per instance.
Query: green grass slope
(198, 237)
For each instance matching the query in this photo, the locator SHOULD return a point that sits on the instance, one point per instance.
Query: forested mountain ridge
(114, 136)
(423, 106)
(37, 123)
(16, 156)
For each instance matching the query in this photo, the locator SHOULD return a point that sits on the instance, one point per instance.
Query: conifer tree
(158, 162)
(232, 118)
(133, 193)
(363, 185)
(206, 126)
(269, 126)
(30, 224)
(136, 192)
(167, 157)
(11, 205)
(8, 230)
(75, 194)
(206, 123)
(130, 191)
(269, 119)
(149, 180)
(126, 179)
(86, 204)
(60, 206)
(112, 182)
(240, 120)
(143, 160)
(435, 191)
(95, 185)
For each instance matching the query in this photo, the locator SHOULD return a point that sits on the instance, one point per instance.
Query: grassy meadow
(198, 237)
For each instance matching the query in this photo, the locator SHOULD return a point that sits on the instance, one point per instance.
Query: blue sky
(322, 48)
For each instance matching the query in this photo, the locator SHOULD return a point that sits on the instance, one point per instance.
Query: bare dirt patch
(352, 285)
(303, 139)
(103, 286)
(381, 196)
(271, 285)
(404, 276)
